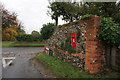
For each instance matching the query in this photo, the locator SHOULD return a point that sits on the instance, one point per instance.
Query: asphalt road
(20, 67)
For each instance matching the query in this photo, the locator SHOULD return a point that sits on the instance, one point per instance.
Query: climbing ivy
(62, 45)
(67, 47)
(109, 32)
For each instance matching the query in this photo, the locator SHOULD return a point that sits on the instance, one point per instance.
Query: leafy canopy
(47, 30)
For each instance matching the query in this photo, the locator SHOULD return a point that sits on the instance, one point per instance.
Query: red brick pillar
(93, 46)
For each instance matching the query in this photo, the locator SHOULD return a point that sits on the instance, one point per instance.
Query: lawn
(6, 44)
(62, 69)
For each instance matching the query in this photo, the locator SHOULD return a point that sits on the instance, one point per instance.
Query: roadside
(6, 44)
(59, 68)
(45, 71)
(64, 70)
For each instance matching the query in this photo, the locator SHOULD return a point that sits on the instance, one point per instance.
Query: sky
(32, 13)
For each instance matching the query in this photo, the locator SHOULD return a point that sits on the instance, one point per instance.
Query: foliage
(55, 12)
(109, 32)
(9, 34)
(105, 9)
(85, 16)
(67, 47)
(36, 36)
(68, 40)
(61, 69)
(56, 45)
(47, 30)
(8, 18)
(73, 11)
(69, 13)
(62, 45)
(24, 37)
(35, 33)
(56, 50)
(10, 25)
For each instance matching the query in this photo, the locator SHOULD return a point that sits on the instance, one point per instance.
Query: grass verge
(65, 70)
(6, 44)
(62, 69)
(28, 44)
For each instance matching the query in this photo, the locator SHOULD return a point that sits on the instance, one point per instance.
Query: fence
(112, 56)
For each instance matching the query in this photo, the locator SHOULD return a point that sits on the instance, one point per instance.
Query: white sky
(32, 13)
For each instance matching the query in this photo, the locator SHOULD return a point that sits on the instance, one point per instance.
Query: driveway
(20, 67)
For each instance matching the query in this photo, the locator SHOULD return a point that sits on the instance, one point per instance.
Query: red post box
(73, 41)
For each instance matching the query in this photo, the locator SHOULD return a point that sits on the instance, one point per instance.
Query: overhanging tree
(47, 30)
(66, 10)
(73, 11)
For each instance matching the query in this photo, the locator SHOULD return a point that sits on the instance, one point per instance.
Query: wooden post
(107, 55)
(113, 57)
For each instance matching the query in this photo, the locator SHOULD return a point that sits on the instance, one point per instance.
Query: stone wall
(62, 33)
(88, 46)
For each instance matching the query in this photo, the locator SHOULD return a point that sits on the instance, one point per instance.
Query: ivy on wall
(109, 32)
(67, 46)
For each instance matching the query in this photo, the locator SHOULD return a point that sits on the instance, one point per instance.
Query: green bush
(36, 36)
(109, 32)
(24, 37)
(27, 38)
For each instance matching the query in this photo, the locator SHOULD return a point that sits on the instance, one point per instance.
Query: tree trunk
(56, 20)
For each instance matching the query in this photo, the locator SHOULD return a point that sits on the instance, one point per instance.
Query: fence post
(107, 55)
(113, 57)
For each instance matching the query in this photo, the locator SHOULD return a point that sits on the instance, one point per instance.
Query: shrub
(109, 32)
(24, 37)
(29, 37)
(9, 34)
(36, 36)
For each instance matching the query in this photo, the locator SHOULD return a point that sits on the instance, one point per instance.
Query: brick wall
(91, 60)
(93, 46)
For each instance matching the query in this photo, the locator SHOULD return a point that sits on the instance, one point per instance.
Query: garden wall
(89, 48)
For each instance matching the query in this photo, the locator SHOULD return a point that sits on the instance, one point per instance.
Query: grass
(62, 69)
(65, 70)
(28, 44)
(6, 44)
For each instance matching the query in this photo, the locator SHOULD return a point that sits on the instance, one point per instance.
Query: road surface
(20, 67)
